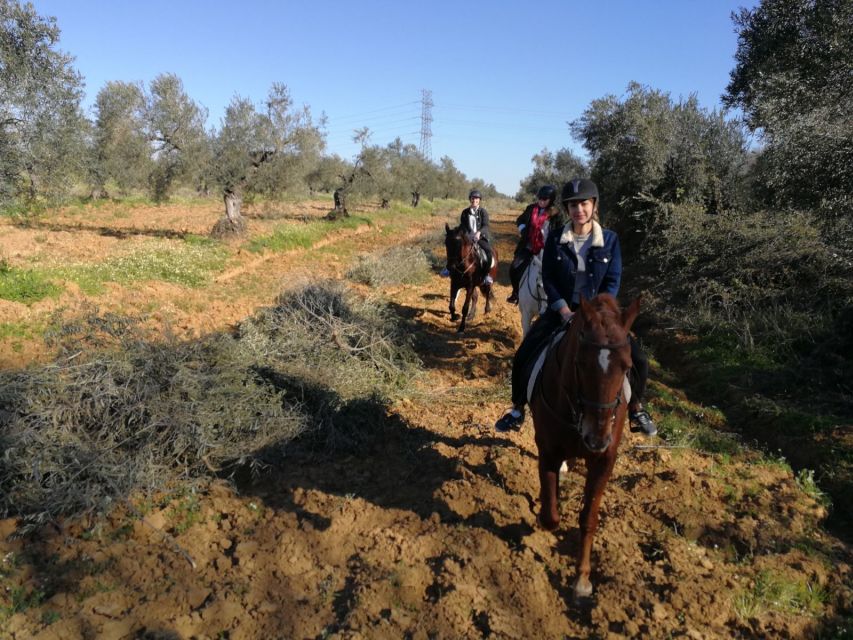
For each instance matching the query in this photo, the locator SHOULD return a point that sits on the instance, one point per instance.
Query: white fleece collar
(597, 235)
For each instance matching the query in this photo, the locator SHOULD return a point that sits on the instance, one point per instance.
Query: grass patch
(189, 263)
(302, 236)
(25, 330)
(25, 285)
(773, 592)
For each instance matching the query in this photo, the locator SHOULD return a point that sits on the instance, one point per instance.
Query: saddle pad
(540, 360)
(536, 371)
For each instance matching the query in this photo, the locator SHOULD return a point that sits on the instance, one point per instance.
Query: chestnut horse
(467, 272)
(579, 412)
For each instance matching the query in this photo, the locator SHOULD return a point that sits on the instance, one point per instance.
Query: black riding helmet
(547, 192)
(579, 189)
(475, 194)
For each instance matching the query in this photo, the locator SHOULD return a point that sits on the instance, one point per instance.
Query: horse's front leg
(597, 475)
(549, 491)
(475, 297)
(487, 292)
(465, 307)
(454, 291)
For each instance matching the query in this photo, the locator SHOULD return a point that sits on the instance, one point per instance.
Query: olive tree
(123, 152)
(42, 128)
(551, 168)
(175, 129)
(792, 79)
(646, 147)
(256, 150)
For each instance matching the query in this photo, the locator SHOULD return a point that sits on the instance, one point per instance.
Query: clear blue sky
(505, 77)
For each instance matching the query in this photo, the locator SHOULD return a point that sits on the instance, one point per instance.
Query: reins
(581, 402)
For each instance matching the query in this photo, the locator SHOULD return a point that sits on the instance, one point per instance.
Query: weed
(50, 616)
(807, 482)
(121, 410)
(27, 330)
(771, 591)
(25, 285)
(186, 513)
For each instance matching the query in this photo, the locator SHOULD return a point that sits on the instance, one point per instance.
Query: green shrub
(399, 265)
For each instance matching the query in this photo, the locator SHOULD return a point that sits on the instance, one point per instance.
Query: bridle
(577, 401)
(584, 402)
(472, 266)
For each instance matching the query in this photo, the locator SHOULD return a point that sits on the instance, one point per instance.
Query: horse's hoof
(454, 317)
(550, 525)
(461, 329)
(583, 588)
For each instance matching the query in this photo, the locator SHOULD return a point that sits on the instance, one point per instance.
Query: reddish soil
(429, 531)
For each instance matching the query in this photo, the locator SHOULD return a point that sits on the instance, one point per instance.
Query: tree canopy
(42, 128)
(792, 79)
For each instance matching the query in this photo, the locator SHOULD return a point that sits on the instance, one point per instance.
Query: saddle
(484, 257)
(533, 369)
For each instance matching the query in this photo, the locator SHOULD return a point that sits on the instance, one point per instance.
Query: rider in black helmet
(474, 221)
(533, 229)
(580, 259)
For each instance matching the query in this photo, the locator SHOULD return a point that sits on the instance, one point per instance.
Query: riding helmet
(475, 194)
(547, 192)
(579, 189)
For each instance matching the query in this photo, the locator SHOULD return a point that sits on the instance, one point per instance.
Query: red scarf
(534, 234)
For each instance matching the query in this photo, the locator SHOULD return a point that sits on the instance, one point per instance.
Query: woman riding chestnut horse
(579, 403)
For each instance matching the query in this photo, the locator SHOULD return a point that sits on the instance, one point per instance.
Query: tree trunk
(232, 223)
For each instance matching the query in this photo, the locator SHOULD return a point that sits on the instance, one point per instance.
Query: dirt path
(429, 530)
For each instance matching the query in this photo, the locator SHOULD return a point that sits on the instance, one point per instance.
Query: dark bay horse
(579, 412)
(467, 272)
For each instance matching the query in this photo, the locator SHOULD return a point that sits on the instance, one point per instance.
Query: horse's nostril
(597, 444)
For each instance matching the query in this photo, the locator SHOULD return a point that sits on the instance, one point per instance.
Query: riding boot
(515, 270)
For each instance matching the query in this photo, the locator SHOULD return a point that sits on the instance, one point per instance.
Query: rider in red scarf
(532, 227)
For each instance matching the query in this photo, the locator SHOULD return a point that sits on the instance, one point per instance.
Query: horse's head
(602, 358)
(454, 244)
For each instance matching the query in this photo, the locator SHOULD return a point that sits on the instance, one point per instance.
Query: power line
(363, 113)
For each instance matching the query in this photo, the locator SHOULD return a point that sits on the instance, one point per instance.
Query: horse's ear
(446, 228)
(629, 313)
(585, 307)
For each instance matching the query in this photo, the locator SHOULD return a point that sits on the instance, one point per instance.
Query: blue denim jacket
(560, 265)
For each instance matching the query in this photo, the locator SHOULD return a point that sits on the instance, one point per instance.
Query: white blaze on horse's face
(604, 359)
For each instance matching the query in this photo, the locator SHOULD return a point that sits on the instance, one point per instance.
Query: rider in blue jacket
(580, 259)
